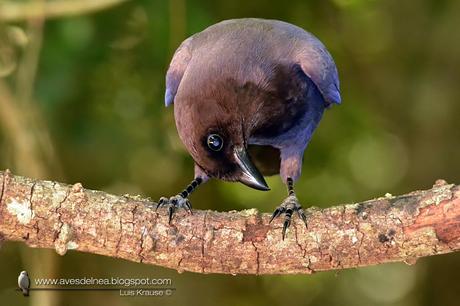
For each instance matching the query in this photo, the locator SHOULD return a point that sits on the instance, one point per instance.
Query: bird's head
(214, 135)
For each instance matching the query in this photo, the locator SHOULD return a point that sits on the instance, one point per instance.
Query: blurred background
(81, 100)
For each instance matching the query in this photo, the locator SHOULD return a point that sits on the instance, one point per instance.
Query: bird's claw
(289, 205)
(173, 203)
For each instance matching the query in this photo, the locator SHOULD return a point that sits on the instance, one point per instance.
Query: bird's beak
(251, 175)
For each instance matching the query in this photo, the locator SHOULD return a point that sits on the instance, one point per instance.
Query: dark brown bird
(249, 92)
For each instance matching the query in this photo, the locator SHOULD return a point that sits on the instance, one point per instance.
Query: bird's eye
(215, 142)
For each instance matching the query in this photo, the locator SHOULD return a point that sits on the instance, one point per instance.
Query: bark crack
(203, 236)
(57, 211)
(302, 249)
(141, 249)
(257, 257)
(31, 195)
(4, 176)
(120, 231)
(361, 240)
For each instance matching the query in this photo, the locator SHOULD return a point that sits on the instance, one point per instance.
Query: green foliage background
(99, 88)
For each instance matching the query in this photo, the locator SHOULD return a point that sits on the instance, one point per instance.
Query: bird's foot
(173, 203)
(288, 207)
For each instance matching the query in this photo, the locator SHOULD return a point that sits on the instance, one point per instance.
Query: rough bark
(48, 214)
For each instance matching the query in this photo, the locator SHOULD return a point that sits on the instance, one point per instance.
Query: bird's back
(249, 49)
(245, 49)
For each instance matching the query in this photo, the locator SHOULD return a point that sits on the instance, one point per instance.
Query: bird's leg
(288, 207)
(180, 200)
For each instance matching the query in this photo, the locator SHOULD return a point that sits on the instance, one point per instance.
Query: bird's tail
(25, 292)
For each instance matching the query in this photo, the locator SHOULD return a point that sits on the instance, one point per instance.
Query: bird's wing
(318, 64)
(297, 44)
(176, 70)
(309, 52)
(23, 282)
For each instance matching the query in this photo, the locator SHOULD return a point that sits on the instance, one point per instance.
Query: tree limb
(47, 214)
(18, 11)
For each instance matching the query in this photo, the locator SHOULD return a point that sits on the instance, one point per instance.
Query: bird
(24, 283)
(248, 94)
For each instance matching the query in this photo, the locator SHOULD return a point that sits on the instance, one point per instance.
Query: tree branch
(52, 215)
(14, 11)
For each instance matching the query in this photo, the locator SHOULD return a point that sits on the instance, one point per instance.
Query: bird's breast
(266, 158)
